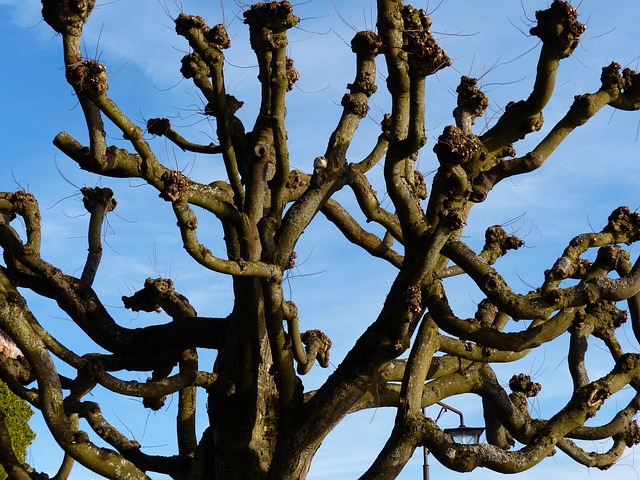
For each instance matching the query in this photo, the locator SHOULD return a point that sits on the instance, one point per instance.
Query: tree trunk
(243, 420)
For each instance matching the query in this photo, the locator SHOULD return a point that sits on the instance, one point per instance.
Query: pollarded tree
(262, 423)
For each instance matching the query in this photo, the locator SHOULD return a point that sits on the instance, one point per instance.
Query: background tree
(15, 433)
(263, 424)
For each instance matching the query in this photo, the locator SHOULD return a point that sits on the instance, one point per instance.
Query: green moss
(17, 413)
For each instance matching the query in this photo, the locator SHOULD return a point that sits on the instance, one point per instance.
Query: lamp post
(461, 434)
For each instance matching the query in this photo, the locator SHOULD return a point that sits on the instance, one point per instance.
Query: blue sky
(574, 192)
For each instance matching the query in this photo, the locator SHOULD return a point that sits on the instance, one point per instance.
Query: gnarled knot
(291, 263)
(193, 66)
(522, 383)
(454, 147)
(631, 85)
(317, 343)
(275, 16)
(366, 43)
(496, 239)
(92, 197)
(611, 78)
(413, 299)
(629, 362)
(631, 435)
(148, 298)
(558, 27)
(470, 98)
(21, 203)
(174, 183)
(320, 165)
(579, 321)
(453, 218)
(351, 103)
(420, 186)
(218, 37)
(231, 106)
(292, 74)
(608, 318)
(624, 224)
(185, 22)
(425, 55)
(366, 84)
(158, 126)
(67, 16)
(295, 180)
(89, 76)
(611, 257)
(154, 403)
(387, 124)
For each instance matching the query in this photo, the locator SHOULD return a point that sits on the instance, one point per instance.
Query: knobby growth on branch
(262, 423)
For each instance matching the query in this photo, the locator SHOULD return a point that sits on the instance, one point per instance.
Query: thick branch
(207, 61)
(560, 31)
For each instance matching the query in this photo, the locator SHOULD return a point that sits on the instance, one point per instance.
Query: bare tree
(262, 423)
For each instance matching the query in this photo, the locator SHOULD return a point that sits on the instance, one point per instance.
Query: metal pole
(454, 410)
(425, 466)
(425, 455)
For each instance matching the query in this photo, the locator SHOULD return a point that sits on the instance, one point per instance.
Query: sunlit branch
(375, 156)
(98, 201)
(578, 345)
(411, 54)
(281, 82)
(162, 128)
(370, 204)
(358, 235)
(623, 227)
(330, 169)
(478, 352)
(418, 364)
(65, 468)
(535, 305)
(63, 427)
(121, 164)
(559, 29)
(207, 61)
(621, 422)
(594, 459)
(620, 90)
(536, 334)
(69, 22)
(129, 449)
(497, 244)
(188, 224)
(286, 380)
(405, 437)
(84, 307)
(25, 205)
(415, 353)
(584, 404)
(92, 371)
